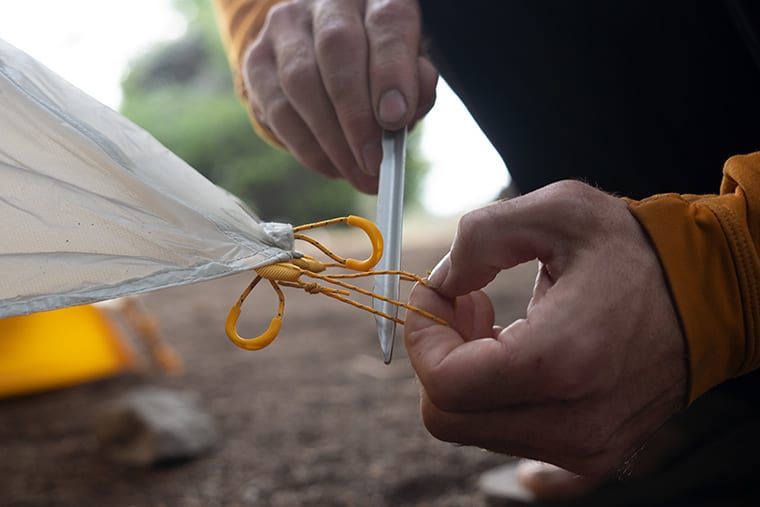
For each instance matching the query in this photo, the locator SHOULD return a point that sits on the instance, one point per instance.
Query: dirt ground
(315, 419)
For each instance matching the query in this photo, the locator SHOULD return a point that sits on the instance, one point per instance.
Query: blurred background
(161, 63)
(314, 419)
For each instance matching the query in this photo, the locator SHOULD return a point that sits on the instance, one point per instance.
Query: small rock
(152, 426)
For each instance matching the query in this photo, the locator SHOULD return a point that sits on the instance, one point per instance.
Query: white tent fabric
(92, 207)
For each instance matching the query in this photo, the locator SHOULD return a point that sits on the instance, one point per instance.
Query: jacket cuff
(700, 270)
(240, 22)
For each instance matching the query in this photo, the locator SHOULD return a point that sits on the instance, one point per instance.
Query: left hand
(326, 76)
(597, 365)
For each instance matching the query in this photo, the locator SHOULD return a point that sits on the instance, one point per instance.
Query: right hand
(326, 76)
(597, 365)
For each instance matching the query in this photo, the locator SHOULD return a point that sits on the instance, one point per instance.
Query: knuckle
(580, 203)
(390, 13)
(284, 12)
(392, 55)
(390, 51)
(341, 83)
(440, 394)
(336, 37)
(355, 117)
(435, 424)
(468, 226)
(277, 111)
(572, 193)
(298, 73)
(394, 38)
(571, 187)
(468, 222)
(278, 17)
(257, 55)
(353, 108)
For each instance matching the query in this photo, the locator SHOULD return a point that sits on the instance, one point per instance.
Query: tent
(93, 208)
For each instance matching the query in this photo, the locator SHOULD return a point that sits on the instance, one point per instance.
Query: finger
(258, 67)
(488, 240)
(298, 139)
(466, 367)
(341, 50)
(393, 33)
(280, 117)
(273, 109)
(541, 286)
(428, 77)
(544, 224)
(428, 342)
(301, 83)
(474, 316)
(571, 439)
(471, 316)
(462, 366)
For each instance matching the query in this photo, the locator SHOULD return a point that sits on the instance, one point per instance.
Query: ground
(314, 419)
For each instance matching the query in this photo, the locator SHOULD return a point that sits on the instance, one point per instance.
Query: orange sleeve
(240, 22)
(708, 246)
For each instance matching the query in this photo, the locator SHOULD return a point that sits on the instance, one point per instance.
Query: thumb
(497, 237)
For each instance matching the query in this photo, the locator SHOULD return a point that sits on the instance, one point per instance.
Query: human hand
(597, 365)
(326, 76)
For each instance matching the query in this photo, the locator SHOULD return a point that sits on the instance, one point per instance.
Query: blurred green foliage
(182, 93)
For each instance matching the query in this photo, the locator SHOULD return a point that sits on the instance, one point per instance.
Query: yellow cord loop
(289, 274)
(373, 233)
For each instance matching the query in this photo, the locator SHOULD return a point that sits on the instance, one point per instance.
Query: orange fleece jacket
(708, 245)
(240, 22)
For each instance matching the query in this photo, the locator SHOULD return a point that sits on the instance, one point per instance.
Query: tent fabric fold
(92, 207)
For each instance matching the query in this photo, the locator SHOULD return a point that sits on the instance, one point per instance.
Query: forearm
(708, 246)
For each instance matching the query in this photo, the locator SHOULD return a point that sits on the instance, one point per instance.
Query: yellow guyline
(289, 274)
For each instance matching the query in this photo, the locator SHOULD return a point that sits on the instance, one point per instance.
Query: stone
(154, 426)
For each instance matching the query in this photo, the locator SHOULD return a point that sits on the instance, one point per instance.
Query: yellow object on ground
(59, 348)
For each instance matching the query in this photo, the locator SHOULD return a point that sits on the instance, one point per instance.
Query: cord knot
(312, 287)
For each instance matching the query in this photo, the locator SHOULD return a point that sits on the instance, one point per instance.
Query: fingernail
(392, 107)
(439, 273)
(373, 154)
